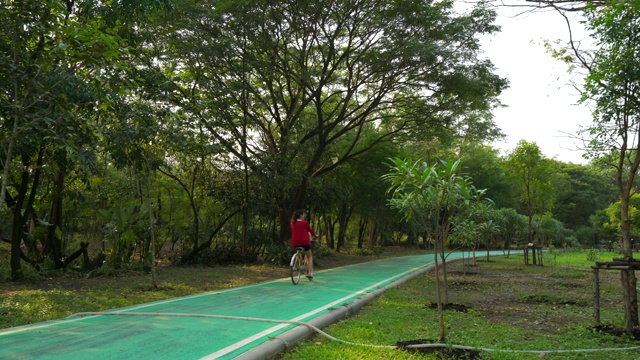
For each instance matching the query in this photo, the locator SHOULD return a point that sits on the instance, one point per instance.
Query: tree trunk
(16, 113)
(628, 277)
(18, 226)
(152, 239)
(473, 249)
(445, 291)
(362, 228)
(439, 300)
(330, 226)
(193, 254)
(425, 240)
(373, 234)
(629, 283)
(194, 206)
(343, 221)
(53, 244)
(487, 250)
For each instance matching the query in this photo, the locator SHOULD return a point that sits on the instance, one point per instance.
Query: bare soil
(545, 299)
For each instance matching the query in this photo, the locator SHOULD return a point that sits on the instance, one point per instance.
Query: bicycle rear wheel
(296, 268)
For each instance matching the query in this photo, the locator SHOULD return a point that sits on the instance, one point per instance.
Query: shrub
(593, 255)
(375, 251)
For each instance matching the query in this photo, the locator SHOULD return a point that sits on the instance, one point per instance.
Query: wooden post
(596, 295)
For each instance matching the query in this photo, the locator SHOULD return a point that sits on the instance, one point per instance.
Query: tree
(613, 222)
(613, 87)
(531, 173)
(64, 70)
(486, 167)
(488, 227)
(565, 5)
(52, 92)
(611, 84)
(436, 199)
(580, 191)
(320, 84)
(552, 232)
(511, 225)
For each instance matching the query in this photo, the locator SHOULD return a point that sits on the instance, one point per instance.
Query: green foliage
(593, 255)
(552, 232)
(120, 229)
(485, 166)
(550, 258)
(532, 176)
(278, 254)
(321, 250)
(580, 191)
(512, 226)
(221, 253)
(434, 197)
(293, 90)
(376, 251)
(117, 90)
(613, 211)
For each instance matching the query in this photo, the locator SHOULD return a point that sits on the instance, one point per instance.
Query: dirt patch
(527, 299)
(423, 346)
(455, 307)
(608, 329)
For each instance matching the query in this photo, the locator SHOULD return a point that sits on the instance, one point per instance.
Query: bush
(376, 251)
(593, 255)
(278, 254)
(321, 250)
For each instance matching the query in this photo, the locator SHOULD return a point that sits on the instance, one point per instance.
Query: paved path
(206, 326)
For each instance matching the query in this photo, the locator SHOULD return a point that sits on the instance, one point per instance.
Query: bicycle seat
(299, 248)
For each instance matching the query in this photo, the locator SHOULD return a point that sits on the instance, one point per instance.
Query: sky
(542, 105)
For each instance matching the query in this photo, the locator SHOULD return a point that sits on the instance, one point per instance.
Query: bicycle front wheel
(296, 268)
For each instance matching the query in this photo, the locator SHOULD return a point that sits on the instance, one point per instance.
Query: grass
(511, 307)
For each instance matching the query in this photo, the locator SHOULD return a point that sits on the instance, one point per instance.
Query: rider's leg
(309, 261)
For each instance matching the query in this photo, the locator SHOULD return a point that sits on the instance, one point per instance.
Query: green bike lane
(216, 325)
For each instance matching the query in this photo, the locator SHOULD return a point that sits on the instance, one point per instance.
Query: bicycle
(298, 267)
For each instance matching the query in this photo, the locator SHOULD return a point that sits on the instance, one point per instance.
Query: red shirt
(300, 230)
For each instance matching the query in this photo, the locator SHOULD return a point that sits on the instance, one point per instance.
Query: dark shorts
(305, 247)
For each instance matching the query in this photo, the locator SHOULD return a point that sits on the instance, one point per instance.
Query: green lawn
(511, 308)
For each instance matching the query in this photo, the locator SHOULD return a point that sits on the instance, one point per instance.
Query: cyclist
(300, 230)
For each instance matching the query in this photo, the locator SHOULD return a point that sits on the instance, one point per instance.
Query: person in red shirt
(300, 230)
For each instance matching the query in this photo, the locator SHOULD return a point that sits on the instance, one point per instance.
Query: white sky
(542, 106)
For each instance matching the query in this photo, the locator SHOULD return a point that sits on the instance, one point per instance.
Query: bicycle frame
(297, 265)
